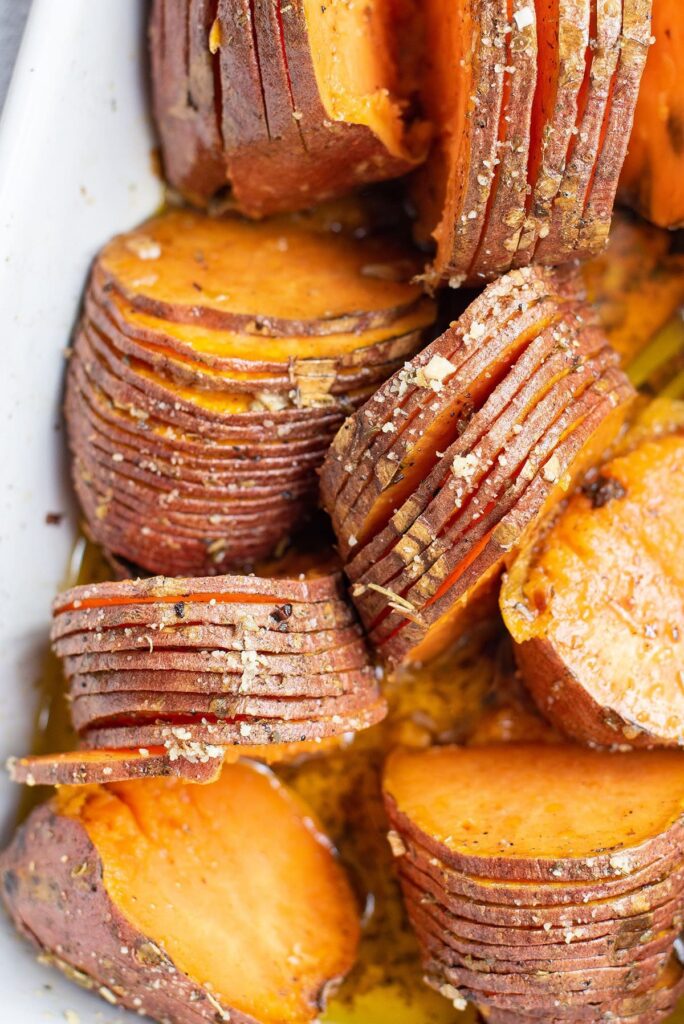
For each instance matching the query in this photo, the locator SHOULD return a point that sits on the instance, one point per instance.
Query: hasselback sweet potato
(562, 904)
(174, 676)
(532, 104)
(203, 392)
(651, 180)
(445, 468)
(594, 604)
(175, 901)
(284, 106)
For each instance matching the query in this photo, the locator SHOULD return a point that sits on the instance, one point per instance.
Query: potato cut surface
(652, 181)
(195, 250)
(487, 803)
(596, 607)
(198, 900)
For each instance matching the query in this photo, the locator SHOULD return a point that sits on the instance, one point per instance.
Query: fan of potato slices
(282, 105)
(532, 104)
(564, 908)
(171, 676)
(431, 483)
(200, 404)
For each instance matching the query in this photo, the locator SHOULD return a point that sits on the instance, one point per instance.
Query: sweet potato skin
(272, 141)
(182, 109)
(81, 768)
(53, 889)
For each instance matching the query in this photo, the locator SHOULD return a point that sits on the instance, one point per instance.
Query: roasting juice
(469, 695)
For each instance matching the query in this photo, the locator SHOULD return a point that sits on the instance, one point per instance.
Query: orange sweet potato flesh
(201, 270)
(360, 71)
(652, 178)
(262, 919)
(595, 606)
(526, 811)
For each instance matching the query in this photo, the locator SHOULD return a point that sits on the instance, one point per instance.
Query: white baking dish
(75, 167)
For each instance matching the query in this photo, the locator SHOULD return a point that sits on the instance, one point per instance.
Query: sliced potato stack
(192, 671)
(544, 882)
(444, 469)
(285, 105)
(532, 103)
(201, 904)
(213, 364)
(595, 603)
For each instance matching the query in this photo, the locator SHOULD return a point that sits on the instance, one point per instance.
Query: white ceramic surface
(75, 167)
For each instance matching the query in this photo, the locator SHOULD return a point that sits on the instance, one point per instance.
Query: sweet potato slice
(211, 733)
(611, 814)
(462, 91)
(102, 709)
(483, 891)
(651, 180)
(219, 684)
(505, 214)
(86, 767)
(613, 674)
(634, 43)
(137, 866)
(659, 896)
(310, 101)
(562, 46)
(181, 250)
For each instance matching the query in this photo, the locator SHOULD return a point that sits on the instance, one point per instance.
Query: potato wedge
(611, 676)
(91, 869)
